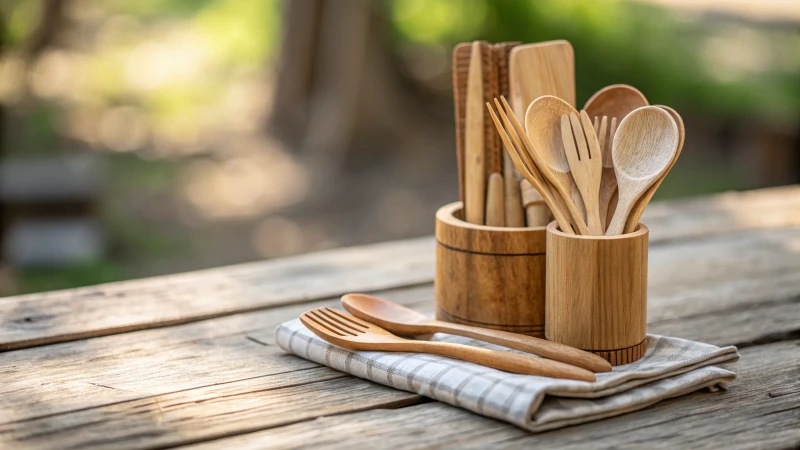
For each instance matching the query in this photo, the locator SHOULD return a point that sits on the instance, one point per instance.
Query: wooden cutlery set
(373, 321)
(506, 273)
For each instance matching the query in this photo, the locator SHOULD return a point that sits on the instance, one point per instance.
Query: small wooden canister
(597, 293)
(490, 277)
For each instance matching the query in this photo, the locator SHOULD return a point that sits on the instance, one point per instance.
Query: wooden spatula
(545, 68)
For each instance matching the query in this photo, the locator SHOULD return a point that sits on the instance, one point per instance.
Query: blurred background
(147, 137)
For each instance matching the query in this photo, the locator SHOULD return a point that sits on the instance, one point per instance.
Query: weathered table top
(189, 359)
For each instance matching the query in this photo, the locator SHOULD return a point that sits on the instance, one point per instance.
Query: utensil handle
(529, 344)
(506, 361)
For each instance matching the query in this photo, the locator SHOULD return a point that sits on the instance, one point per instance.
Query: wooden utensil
(474, 158)
(546, 68)
(536, 210)
(495, 83)
(641, 204)
(585, 163)
(353, 333)
(522, 160)
(614, 102)
(543, 128)
(401, 320)
(527, 154)
(495, 208)
(645, 144)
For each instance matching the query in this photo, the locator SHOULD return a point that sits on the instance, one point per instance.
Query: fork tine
(512, 148)
(355, 321)
(342, 324)
(319, 325)
(518, 129)
(580, 137)
(597, 123)
(316, 313)
(512, 132)
(591, 136)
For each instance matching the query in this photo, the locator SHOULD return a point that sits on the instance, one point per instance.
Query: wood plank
(723, 213)
(98, 371)
(761, 410)
(132, 366)
(61, 316)
(206, 413)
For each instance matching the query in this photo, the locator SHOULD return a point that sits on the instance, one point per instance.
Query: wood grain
(691, 295)
(697, 286)
(489, 276)
(597, 293)
(759, 411)
(38, 319)
(61, 316)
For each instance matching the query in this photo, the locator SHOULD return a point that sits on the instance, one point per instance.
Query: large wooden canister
(491, 277)
(597, 293)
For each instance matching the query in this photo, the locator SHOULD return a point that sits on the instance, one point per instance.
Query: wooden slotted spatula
(353, 333)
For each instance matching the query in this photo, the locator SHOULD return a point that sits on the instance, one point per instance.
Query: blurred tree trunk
(335, 82)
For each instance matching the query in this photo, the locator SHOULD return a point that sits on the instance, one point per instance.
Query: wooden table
(189, 360)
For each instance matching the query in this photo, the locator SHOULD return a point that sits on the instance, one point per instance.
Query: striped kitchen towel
(671, 367)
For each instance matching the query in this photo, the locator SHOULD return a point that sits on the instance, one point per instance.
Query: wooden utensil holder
(490, 277)
(597, 293)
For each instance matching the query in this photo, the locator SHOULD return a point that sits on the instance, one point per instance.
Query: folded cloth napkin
(671, 367)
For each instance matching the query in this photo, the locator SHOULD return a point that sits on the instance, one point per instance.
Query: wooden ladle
(403, 321)
(643, 148)
(543, 128)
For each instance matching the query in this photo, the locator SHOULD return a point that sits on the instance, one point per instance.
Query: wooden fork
(585, 164)
(353, 333)
(528, 168)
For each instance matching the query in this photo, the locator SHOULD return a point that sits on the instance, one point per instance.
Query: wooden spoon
(543, 128)
(641, 204)
(645, 144)
(350, 332)
(614, 102)
(401, 320)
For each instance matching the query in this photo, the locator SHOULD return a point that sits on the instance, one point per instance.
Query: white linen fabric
(670, 367)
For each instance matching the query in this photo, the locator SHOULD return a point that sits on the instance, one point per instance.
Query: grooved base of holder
(623, 355)
(529, 330)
